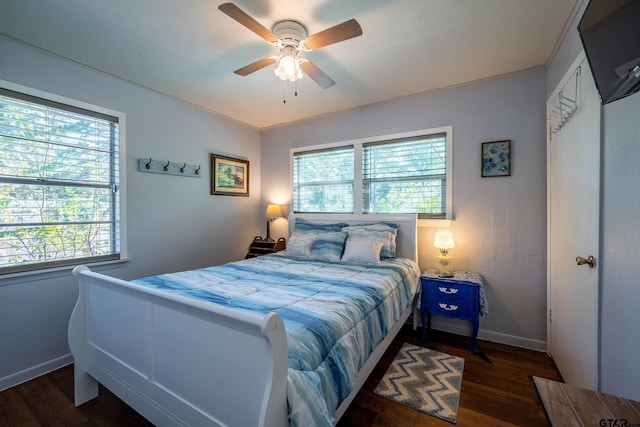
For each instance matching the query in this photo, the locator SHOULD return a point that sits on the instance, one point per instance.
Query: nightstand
(458, 297)
(261, 246)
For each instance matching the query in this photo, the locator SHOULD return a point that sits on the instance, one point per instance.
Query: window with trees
(403, 173)
(59, 183)
(323, 180)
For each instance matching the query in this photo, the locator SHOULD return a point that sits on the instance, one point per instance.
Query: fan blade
(255, 66)
(243, 18)
(317, 74)
(335, 34)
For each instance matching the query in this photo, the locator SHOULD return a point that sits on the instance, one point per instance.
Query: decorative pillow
(329, 246)
(362, 252)
(379, 231)
(303, 226)
(300, 245)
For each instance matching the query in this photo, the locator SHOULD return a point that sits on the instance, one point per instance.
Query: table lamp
(444, 242)
(273, 211)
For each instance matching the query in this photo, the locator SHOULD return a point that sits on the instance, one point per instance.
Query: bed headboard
(406, 242)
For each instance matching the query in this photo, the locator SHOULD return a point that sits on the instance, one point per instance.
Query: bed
(200, 348)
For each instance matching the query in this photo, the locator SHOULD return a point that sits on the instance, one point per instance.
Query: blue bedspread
(335, 315)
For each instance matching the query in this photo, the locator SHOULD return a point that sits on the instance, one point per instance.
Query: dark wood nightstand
(456, 297)
(261, 246)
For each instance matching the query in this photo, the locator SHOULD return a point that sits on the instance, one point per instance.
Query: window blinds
(323, 180)
(406, 176)
(58, 184)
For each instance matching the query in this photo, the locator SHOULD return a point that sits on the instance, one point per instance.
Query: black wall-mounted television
(610, 34)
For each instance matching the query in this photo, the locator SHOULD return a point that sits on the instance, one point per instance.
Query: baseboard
(516, 341)
(35, 371)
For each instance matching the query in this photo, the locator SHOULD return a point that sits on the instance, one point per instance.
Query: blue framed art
(496, 158)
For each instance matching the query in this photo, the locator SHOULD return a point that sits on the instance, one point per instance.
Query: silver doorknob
(590, 261)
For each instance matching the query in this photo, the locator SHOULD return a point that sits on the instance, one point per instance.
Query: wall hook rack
(168, 167)
(565, 104)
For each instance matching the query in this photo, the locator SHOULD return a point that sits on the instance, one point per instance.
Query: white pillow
(362, 252)
(379, 231)
(300, 245)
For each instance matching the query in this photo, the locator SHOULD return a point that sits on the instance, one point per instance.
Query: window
(407, 175)
(59, 183)
(403, 173)
(323, 180)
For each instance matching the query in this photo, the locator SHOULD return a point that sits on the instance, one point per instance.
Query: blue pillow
(329, 246)
(303, 226)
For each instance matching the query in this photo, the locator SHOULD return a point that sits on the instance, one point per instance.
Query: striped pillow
(329, 246)
(303, 226)
(380, 232)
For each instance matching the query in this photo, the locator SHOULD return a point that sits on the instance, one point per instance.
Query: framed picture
(229, 176)
(496, 158)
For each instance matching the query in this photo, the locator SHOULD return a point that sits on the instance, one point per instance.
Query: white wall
(173, 222)
(620, 252)
(500, 223)
(619, 231)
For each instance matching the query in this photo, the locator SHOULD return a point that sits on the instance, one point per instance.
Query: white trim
(62, 271)
(465, 330)
(34, 371)
(513, 340)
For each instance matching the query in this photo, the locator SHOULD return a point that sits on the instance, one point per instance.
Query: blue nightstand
(460, 296)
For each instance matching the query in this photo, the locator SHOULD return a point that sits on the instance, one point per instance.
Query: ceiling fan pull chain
(284, 92)
(296, 88)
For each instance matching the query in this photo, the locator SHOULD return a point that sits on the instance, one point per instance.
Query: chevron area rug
(424, 379)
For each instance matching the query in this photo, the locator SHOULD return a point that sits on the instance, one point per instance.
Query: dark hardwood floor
(497, 394)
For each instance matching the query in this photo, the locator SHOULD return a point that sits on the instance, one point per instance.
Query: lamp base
(445, 264)
(268, 238)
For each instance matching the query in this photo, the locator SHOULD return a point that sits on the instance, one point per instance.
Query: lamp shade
(444, 240)
(288, 69)
(273, 211)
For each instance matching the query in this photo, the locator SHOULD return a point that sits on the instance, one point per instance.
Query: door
(573, 195)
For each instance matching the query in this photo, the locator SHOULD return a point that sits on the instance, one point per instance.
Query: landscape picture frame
(229, 176)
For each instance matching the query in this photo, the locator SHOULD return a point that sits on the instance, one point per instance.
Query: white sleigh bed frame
(229, 370)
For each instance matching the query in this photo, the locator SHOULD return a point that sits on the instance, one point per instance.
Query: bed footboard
(176, 360)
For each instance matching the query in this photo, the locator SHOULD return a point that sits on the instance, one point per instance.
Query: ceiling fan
(290, 37)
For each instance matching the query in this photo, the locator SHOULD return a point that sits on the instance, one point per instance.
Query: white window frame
(122, 194)
(357, 184)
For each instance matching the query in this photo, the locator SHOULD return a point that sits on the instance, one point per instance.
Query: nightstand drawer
(448, 291)
(450, 298)
(459, 309)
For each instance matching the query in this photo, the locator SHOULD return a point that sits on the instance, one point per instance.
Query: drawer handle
(448, 291)
(448, 307)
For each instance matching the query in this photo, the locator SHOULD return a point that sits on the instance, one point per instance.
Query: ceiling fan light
(288, 69)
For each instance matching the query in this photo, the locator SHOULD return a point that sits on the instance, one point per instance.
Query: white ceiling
(188, 49)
